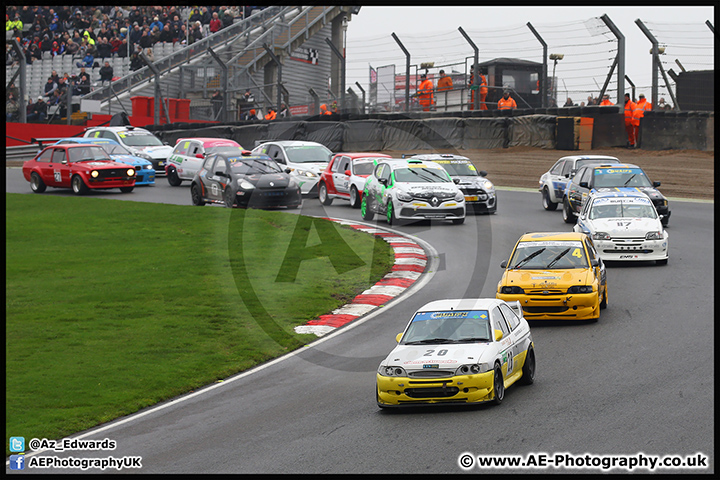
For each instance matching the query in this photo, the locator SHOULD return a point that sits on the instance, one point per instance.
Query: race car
(555, 275)
(624, 226)
(244, 180)
(77, 166)
(458, 351)
(480, 196)
(623, 177)
(144, 171)
(553, 182)
(138, 141)
(189, 153)
(411, 190)
(306, 161)
(345, 177)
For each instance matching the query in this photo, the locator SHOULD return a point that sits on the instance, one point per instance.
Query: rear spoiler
(515, 305)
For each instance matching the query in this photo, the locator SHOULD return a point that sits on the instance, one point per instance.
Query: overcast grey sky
(373, 23)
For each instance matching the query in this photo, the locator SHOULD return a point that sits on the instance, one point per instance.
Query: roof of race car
(293, 143)
(357, 155)
(461, 304)
(97, 141)
(614, 165)
(440, 157)
(590, 157)
(120, 129)
(396, 163)
(211, 141)
(551, 236)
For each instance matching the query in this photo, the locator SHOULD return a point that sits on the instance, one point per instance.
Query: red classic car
(345, 177)
(81, 167)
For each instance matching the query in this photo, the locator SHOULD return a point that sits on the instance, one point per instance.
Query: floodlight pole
(363, 96)
(620, 58)
(655, 60)
(476, 69)
(543, 77)
(407, 72)
(340, 56)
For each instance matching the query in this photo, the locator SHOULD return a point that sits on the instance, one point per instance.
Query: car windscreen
(140, 139)
(620, 177)
(115, 149)
(245, 166)
(460, 169)
(308, 154)
(453, 326)
(363, 167)
(224, 150)
(421, 175)
(542, 255)
(622, 208)
(89, 153)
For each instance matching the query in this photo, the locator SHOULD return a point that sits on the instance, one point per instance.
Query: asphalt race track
(638, 383)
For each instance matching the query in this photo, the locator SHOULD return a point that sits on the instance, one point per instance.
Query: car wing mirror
(498, 335)
(456, 181)
(584, 184)
(503, 264)
(398, 337)
(347, 172)
(199, 155)
(483, 173)
(594, 262)
(220, 174)
(656, 184)
(288, 170)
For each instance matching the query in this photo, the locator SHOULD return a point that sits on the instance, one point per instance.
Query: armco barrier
(397, 132)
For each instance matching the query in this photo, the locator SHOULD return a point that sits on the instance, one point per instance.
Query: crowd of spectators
(93, 33)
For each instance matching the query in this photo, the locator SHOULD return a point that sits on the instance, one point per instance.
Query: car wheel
(78, 185)
(392, 219)
(604, 303)
(354, 197)
(126, 189)
(568, 215)
(498, 385)
(528, 369)
(173, 178)
(365, 211)
(196, 195)
(229, 197)
(323, 194)
(546, 202)
(36, 183)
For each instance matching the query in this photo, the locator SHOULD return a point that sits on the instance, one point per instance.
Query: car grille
(545, 291)
(425, 196)
(474, 191)
(111, 174)
(548, 309)
(431, 392)
(431, 213)
(431, 374)
(628, 250)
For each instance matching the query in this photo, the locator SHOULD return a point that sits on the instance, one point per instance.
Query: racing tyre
(568, 215)
(498, 385)
(173, 178)
(36, 183)
(604, 302)
(126, 189)
(528, 369)
(391, 218)
(546, 202)
(196, 195)
(229, 198)
(78, 185)
(354, 197)
(323, 194)
(365, 211)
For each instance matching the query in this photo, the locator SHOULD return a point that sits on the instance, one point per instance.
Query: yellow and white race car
(459, 351)
(555, 275)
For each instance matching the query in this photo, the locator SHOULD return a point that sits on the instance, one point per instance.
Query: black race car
(245, 180)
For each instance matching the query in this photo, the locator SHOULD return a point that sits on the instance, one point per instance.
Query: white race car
(553, 182)
(624, 226)
(411, 190)
(459, 351)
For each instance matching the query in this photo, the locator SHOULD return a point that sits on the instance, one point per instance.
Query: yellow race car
(555, 275)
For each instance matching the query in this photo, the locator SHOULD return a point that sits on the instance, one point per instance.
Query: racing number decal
(440, 353)
(509, 361)
(577, 253)
(58, 176)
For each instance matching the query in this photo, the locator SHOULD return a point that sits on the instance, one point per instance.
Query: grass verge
(113, 306)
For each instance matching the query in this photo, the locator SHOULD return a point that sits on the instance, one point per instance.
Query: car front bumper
(458, 389)
(415, 210)
(573, 306)
(629, 250)
(144, 177)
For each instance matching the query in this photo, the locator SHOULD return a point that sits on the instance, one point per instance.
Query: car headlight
(654, 236)
(488, 185)
(245, 185)
(305, 173)
(601, 236)
(403, 196)
(391, 371)
(468, 369)
(130, 172)
(459, 197)
(511, 290)
(94, 173)
(580, 289)
(142, 155)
